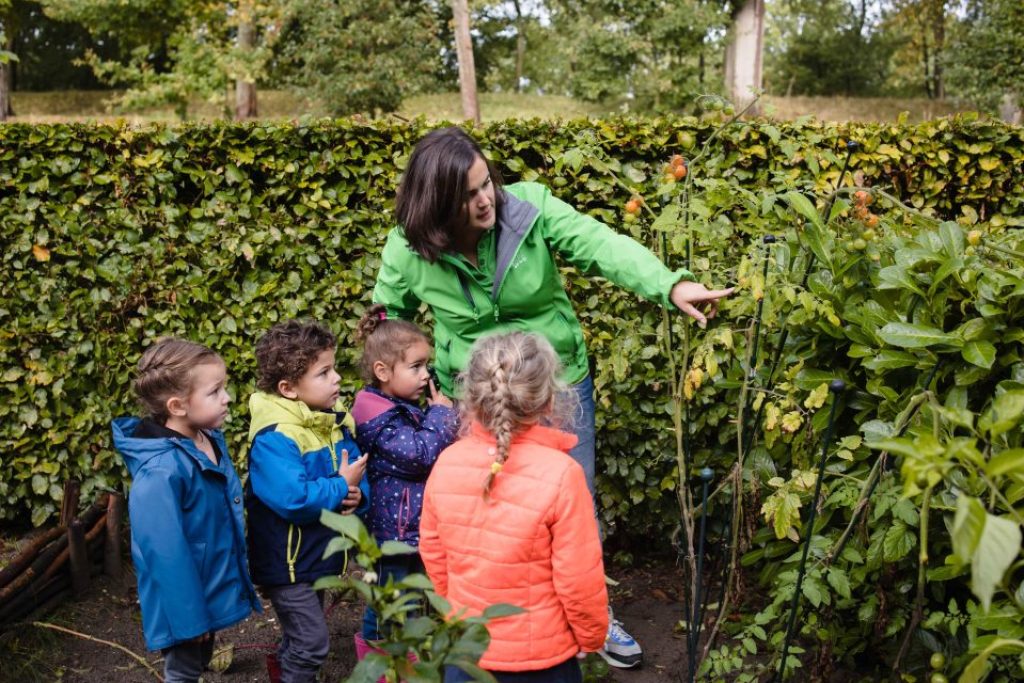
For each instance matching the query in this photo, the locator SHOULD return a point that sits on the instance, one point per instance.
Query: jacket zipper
(290, 557)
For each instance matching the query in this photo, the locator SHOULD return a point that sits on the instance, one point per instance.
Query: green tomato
(629, 218)
(859, 244)
(938, 678)
(868, 234)
(937, 661)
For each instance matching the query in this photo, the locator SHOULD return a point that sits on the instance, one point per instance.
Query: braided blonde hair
(166, 370)
(511, 383)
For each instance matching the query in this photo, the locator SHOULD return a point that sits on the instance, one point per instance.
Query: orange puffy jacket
(534, 544)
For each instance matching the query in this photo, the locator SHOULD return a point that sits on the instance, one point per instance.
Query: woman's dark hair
(431, 203)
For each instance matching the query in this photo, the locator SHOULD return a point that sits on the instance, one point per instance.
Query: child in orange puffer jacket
(507, 518)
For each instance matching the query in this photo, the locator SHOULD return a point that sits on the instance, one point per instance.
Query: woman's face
(479, 196)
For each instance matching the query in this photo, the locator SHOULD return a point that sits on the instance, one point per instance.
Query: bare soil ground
(647, 600)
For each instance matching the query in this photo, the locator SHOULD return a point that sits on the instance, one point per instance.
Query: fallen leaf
(40, 252)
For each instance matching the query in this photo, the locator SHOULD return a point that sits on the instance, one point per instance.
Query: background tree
(825, 47)
(359, 55)
(986, 55)
(171, 51)
(655, 54)
(917, 30)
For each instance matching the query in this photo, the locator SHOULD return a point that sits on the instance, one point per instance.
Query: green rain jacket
(517, 285)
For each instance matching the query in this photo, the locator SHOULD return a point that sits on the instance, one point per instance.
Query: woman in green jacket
(482, 258)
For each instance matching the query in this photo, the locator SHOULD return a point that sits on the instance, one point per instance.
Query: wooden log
(78, 557)
(27, 554)
(112, 551)
(49, 558)
(35, 570)
(90, 539)
(27, 600)
(69, 506)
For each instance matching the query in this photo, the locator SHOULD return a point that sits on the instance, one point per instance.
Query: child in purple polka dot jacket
(403, 440)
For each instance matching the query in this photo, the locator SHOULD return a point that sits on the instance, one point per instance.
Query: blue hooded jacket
(188, 534)
(403, 442)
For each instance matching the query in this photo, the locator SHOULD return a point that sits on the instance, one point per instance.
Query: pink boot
(273, 668)
(363, 648)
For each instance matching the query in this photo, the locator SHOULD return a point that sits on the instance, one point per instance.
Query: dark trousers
(392, 566)
(566, 672)
(184, 662)
(304, 637)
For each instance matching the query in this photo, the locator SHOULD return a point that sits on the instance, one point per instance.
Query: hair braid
(502, 422)
(510, 384)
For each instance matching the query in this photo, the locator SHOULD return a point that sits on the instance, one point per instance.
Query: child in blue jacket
(185, 507)
(303, 460)
(401, 439)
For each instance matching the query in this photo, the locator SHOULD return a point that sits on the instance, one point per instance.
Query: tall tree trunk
(5, 91)
(245, 89)
(939, 20)
(467, 68)
(520, 45)
(743, 67)
(6, 67)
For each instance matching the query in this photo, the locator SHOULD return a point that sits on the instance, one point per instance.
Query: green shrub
(114, 236)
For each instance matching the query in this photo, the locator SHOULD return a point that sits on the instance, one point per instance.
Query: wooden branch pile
(60, 562)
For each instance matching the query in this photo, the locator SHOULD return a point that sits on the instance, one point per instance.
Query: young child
(303, 460)
(401, 439)
(507, 518)
(185, 507)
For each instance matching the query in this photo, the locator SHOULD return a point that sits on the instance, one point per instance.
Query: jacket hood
(136, 451)
(271, 409)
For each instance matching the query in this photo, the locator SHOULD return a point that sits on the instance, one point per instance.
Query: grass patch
(94, 105)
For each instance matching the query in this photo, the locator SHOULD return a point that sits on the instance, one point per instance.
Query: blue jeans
(398, 567)
(582, 425)
(566, 672)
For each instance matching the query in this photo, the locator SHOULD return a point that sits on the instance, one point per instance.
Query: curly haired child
(401, 438)
(507, 518)
(303, 460)
(185, 506)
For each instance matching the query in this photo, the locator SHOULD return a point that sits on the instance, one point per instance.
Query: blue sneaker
(620, 650)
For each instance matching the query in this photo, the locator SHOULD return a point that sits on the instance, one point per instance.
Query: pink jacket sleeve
(578, 569)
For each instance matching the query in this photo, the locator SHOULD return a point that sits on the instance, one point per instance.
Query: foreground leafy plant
(422, 634)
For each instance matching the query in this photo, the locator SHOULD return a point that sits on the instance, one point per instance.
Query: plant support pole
(706, 475)
(837, 386)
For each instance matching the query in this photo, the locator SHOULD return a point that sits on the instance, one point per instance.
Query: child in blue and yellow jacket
(303, 459)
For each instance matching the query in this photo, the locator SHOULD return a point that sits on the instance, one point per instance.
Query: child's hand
(436, 398)
(351, 502)
(352, 472)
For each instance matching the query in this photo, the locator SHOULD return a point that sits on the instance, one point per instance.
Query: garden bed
(647, 600)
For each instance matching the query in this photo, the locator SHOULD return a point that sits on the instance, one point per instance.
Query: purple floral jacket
(403, 442)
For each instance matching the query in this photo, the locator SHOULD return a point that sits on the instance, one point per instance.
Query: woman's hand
(690, 297)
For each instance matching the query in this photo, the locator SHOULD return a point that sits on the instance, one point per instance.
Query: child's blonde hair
(384, 339)
(167, 370)
(511, 383)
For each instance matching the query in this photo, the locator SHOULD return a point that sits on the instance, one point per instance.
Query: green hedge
(112, 237)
